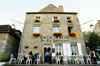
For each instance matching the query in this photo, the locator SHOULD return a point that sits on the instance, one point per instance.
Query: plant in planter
(70, 20)
(56, 20)
(57, 33)
(26, 46)
(35, 46)
(74, 34)
(36, 34)
(37, 20)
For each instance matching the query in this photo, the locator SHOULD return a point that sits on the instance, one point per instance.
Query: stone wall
(9, 43)
(46, 29)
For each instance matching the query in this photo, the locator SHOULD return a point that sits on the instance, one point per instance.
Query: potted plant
(36, 34)
(70, 20)
(57, 33)
(35, 46)
(26, 46)
(56, 20)
(37, 20)
(98, 60)
(74, 34)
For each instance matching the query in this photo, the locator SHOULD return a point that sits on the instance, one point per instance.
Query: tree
(91, 39)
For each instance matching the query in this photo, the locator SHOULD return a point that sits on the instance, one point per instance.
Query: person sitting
(94, 57)
(36, 55)
(23, 56)
(30, 53)
(47, 55)
(59, 53)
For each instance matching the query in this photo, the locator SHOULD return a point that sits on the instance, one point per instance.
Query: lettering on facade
(54, 39)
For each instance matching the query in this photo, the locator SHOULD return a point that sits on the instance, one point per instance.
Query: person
(47, 55)
(50, 57)
(30, 53)
(94, 57)
(36, 55)
(59, 53)
(23, 56)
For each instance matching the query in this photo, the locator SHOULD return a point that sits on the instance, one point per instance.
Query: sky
(16, 9)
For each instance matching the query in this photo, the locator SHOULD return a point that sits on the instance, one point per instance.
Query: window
(70, 28)
(68, 17)
(37, 17)
(58, 47)
(73, 49)
(55, 28)
(36, 28)
(55, 17)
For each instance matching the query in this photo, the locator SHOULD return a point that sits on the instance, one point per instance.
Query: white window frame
(55, 16)
(36, 29)
(74, 49)
(60, 48)
(56, 28)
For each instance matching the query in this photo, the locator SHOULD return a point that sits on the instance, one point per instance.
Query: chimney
(98, 21)
(61, 8)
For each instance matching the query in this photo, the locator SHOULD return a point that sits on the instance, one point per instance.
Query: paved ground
(51, 65)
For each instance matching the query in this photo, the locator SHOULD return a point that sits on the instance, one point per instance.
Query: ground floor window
(58, 47)
(73, 49)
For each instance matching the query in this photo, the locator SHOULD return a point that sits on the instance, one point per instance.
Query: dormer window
(69, 19)
(56, 19)
(37, 19)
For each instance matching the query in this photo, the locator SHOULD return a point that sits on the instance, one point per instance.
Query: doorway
(46, 49)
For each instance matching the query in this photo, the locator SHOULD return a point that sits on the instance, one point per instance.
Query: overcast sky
(16, 10)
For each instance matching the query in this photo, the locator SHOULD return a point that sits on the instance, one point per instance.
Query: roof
(8, 29)
(51, 12)
(50, 8)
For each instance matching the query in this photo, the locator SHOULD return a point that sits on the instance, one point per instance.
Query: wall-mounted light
(91, 26)
(13, 26)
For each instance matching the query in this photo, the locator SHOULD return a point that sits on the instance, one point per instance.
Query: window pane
(73, 50)
(58, 48)
(36, 28)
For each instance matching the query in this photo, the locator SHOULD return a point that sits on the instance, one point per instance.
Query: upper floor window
(68, 17)
(55, 28)
(36, 29)
(73, 49)
(37, 17)
(70, 28)
(55, 17)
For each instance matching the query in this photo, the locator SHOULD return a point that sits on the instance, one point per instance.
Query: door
(46, 49)
(45, 46)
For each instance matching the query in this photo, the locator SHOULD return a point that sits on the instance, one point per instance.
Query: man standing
(47, 55)
(50, 57)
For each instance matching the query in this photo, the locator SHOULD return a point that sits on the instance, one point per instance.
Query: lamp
(91, 26)
(13, 26)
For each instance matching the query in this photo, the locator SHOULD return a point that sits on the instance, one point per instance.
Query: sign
(53, 50)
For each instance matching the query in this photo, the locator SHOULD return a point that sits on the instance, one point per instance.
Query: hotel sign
(54, 38)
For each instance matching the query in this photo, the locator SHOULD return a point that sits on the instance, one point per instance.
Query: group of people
(33, 57)
(48, 56)
(93, 56)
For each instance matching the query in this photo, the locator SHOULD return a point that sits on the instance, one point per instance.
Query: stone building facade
(53, 28)
(9, 40)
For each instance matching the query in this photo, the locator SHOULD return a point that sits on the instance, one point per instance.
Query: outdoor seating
(88, 59)
(38, 59)
(20, 59)
(65, 60)
(70, 59)
(12, 59)
(58, 58)
(81, 59)
(29, 59)
(76, 59)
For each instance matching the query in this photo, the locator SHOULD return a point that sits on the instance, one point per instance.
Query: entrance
(46, 58)
(45, 46)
